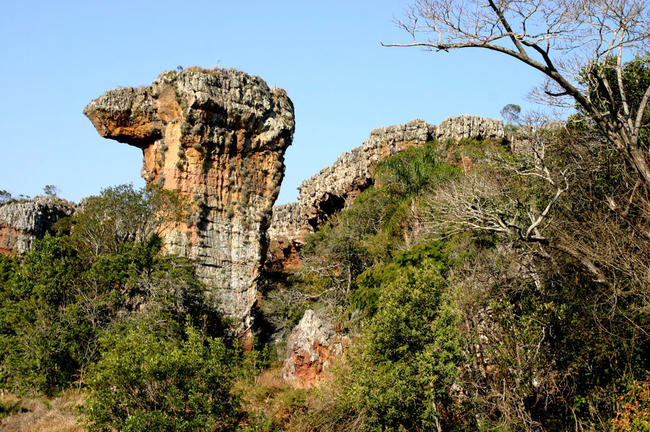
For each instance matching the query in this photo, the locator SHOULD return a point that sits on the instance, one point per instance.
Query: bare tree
(482, 201)
(579, 45)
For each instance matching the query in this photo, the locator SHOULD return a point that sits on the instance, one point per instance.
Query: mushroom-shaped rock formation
(217, 137)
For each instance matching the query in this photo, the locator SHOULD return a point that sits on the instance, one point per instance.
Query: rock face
(336, 186)
(23, 221)
(311, 347)
(285, 236)
(333, 187)
(470, 127)
(217, 137)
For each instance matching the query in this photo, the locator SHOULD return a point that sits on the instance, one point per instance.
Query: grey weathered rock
(470, 127)
(286, 221)
(285, 237)
(23, 221)
(334, 186)
(218, 137)
(311, 347)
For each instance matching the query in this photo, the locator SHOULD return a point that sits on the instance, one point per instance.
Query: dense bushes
(470, 316)
(149, 379)
(99, 307)
(509, 295)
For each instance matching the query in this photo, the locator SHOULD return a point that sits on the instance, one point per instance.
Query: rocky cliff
(285, 235)
(23, 221)
(336, 186)
(218, 137)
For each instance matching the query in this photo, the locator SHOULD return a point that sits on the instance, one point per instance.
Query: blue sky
(55, 57)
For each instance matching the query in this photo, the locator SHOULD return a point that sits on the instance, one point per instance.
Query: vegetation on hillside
(481, 289)
(96, 306)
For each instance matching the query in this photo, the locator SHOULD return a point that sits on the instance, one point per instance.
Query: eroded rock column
(218, 137)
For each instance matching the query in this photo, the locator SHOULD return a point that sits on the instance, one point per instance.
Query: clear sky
(56, 56)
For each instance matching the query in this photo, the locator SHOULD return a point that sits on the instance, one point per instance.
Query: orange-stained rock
(312, 348)
(218, 137)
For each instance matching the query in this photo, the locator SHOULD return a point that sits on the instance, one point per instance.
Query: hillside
(454, 277)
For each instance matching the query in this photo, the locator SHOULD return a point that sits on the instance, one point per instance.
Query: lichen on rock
(218, 137)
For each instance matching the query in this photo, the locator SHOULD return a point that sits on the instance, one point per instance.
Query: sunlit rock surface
(21, 222)
(219, 138)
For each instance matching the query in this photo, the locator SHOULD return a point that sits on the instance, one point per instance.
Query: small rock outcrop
(21, 222)
(285, 236)
(311, 348)
(470, 127)
(217, 137)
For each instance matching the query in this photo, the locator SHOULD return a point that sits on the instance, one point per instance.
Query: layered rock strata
(21, 222)
(217, 137)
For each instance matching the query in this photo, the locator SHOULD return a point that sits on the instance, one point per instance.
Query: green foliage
(410, 349)
(120, 214)
(510, 114)
(150, 381)
(5, 196)
(405, 265)
(374, 226)
(635, 79)
(399, 374)
(42, 332)
(54, 305)
(50, 190)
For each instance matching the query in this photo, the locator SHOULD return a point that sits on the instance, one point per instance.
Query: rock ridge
(336, 186)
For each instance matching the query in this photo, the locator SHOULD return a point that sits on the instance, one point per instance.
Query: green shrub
(409, 352)
(52, 308)
(147, 381)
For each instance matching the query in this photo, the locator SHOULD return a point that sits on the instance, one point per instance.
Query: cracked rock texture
(21, 222)
(337, 185)
(217, 137)
(311, 348)
(470, 127)
(285, 235)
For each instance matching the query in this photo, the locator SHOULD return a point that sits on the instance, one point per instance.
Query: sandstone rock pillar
(217, 137)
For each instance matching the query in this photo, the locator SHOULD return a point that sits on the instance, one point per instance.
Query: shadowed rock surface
(23, 221)
(218, 137)
(285, 235)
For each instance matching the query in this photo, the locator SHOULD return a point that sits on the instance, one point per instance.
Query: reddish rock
(312, 347)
